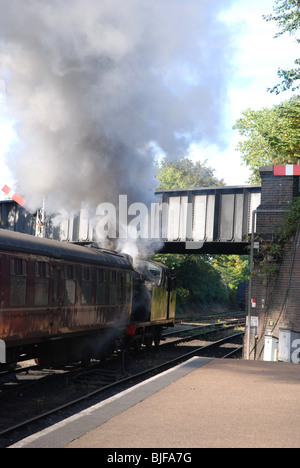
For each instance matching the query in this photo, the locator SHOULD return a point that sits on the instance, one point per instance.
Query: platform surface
(202, 403)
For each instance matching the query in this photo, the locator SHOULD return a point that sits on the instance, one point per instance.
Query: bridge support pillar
(274, 287)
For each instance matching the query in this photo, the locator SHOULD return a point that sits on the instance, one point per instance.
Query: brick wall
(277, 294)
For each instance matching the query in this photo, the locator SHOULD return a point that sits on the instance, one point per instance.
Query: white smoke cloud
(93, 83)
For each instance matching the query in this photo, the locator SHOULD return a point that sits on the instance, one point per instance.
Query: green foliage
(270, 136)
(291, 222)
(287, 16)
(270, 252)
(234, 269)
(184, 173)
(198, 282)
(289, 79)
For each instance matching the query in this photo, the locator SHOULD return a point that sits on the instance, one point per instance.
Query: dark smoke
(97, 85)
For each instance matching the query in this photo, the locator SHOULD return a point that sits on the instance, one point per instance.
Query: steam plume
(96, 85)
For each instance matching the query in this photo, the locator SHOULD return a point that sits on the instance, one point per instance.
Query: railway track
(203, 329)
(211, 316)
(100, 382)
(29, 376)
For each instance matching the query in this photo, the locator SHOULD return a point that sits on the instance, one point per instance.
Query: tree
(184, 173)
(234, 269)
(271, 136)
(198, 282)
(287, 16)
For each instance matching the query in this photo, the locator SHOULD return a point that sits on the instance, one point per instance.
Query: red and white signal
(14, 195)
(286, 170)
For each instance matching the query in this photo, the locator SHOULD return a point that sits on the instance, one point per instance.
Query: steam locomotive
(61, 302)
(153, 303)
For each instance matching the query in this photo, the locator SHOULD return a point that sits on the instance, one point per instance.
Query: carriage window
(70, 285)
(18, 281)
(101, 287)
(113, 289)
(41, 283)
(69, 272)
(86, 291)
(42, 269)
(18, 267)
(56, 285)
(113, 276)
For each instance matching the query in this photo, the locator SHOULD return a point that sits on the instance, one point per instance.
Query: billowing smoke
(97, 86)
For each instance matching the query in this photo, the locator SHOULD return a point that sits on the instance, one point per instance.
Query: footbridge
(208, 220)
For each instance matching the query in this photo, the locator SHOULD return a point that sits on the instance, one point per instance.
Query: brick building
(274, 290)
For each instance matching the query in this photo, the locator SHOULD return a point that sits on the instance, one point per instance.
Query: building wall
(73, 228)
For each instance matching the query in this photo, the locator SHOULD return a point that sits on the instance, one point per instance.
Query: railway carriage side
(69, 303)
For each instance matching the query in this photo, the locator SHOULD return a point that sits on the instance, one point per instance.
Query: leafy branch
(287, 16)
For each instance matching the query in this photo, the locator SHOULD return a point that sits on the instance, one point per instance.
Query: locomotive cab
(153, 302)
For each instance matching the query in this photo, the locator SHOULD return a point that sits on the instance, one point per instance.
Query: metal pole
(40, 221)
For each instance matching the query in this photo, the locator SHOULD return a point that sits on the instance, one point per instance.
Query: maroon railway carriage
(61, 302)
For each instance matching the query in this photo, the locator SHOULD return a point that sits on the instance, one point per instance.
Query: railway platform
(203, 403)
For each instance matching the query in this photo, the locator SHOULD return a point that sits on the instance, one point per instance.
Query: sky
(254, 59)
(257, 58)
